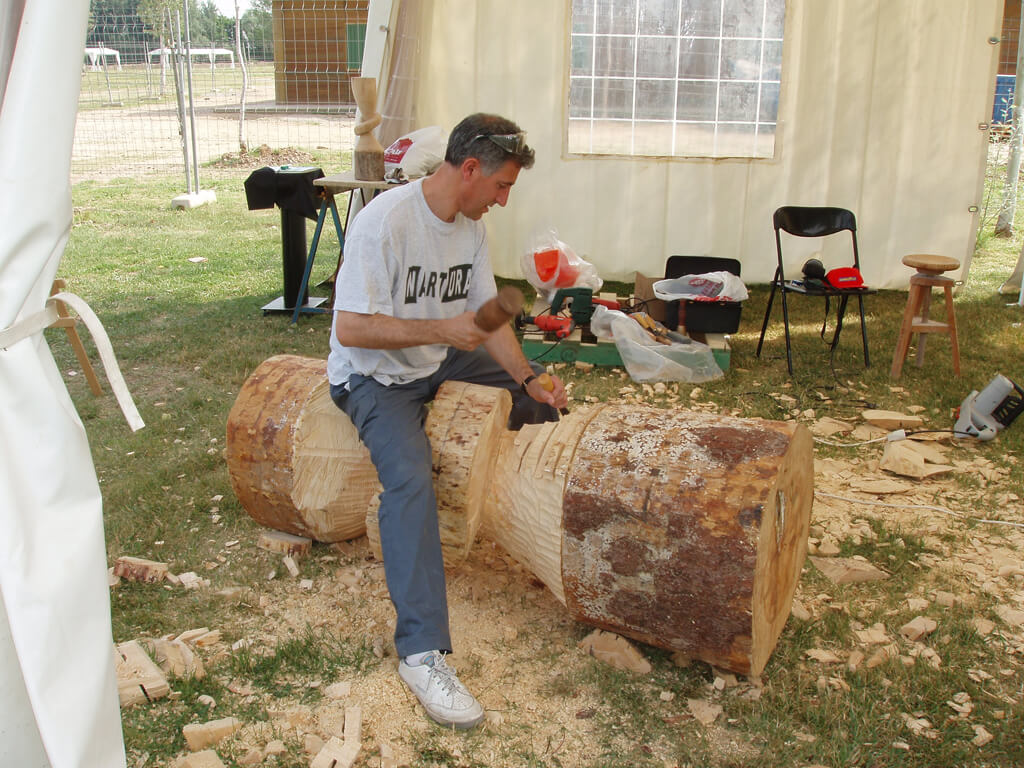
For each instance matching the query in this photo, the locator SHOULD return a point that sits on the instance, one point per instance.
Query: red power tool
(559, 326)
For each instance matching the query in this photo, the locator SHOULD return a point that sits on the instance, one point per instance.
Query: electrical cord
(898, 434)
(943, 510)
(521, 332)
(823, 441)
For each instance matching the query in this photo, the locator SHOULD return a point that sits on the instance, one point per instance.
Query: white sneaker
(444, 698)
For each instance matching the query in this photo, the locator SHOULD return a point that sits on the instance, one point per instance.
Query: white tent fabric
(880, 111)
(58, 693)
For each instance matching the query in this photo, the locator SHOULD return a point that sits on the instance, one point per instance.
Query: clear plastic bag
(550, 264)
(710, 286)
(648, 360)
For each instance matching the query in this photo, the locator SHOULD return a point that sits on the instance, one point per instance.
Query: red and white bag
(416, 154)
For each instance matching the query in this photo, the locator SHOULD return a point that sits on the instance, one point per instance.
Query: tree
(258, 31)
(207, 24)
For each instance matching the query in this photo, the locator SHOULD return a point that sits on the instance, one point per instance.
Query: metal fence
(144, 102)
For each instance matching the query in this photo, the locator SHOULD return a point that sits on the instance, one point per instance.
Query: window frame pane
(706, 83)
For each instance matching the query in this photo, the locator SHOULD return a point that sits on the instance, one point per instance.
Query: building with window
(318, 48)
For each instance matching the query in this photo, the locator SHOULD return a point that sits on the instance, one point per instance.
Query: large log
(686, 531)
(295, 460)
(297, 464)
(683, 530)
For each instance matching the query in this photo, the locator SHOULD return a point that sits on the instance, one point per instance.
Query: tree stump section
(683, 530)
(295, 459)
(688, 531)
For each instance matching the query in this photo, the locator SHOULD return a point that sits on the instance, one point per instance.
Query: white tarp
(879, 112)
(58, 693)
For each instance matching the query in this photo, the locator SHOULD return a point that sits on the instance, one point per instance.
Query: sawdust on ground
(516, 647)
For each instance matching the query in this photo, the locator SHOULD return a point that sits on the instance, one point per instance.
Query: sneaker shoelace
(445, 676)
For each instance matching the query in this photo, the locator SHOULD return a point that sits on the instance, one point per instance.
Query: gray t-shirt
(402, 260)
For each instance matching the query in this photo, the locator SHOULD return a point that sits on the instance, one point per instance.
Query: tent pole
(1004, 224)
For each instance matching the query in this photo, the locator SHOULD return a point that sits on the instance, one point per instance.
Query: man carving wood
(416, 269)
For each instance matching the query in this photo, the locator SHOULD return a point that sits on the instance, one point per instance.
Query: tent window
(677, 78)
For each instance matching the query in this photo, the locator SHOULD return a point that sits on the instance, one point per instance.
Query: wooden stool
(915, 316)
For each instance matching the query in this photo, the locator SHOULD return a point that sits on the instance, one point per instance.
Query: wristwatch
(527, 380)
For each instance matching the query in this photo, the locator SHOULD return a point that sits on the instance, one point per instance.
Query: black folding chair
(801, 221)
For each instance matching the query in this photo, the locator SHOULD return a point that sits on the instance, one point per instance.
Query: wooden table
(329, 186)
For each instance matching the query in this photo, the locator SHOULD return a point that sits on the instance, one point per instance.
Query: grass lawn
(180, 295)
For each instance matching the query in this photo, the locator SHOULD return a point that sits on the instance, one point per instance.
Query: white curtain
(58, 692)
(880, 111)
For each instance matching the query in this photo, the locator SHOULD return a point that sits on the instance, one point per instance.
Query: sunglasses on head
(512, 143)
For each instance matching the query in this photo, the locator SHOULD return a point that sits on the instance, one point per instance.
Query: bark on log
(295, 459)
(683, 530)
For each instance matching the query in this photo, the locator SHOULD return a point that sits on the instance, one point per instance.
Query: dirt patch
(262, 156)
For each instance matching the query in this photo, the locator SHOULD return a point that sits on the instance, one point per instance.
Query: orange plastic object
(567, 273)
(546, 263)
(553, 263)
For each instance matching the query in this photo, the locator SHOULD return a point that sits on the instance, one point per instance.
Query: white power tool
(983, 414)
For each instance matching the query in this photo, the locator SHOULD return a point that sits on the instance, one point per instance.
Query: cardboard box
(643, 290)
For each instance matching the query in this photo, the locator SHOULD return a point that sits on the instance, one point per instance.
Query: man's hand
(548, 389)
(463, 333)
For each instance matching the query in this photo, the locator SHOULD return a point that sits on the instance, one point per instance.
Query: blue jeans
(391, 423)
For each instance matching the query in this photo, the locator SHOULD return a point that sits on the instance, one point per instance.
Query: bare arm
(385, 332)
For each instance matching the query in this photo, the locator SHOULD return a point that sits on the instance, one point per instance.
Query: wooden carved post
(368, 157)
(683, 530)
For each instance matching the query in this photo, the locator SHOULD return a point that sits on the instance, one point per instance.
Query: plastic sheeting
(880, 111)
(58, 692)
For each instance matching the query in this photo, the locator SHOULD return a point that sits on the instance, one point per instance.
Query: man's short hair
(491, 139)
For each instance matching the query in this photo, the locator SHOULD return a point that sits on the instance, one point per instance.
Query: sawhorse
(329, 187)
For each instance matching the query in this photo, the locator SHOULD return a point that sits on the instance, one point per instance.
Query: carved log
(688, 531)
(296, 462)
(683, 530)
(465, 424)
